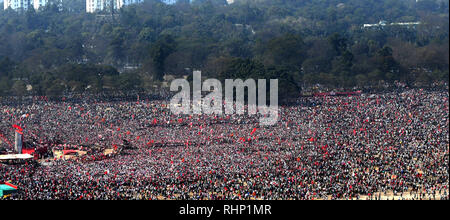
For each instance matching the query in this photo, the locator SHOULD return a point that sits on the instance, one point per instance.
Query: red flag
(11, 185)
(254, 130)
(18, 128)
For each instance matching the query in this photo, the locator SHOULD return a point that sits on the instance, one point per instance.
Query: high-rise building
(100, 5)
(39, 3)
(17, 4)
(24, 4)
(95, 5)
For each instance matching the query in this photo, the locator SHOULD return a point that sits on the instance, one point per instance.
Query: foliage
(308, 42)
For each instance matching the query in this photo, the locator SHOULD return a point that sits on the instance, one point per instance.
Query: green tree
(387, 64)
(19, 88)
(159, 52)
(338, 43)
(287, 50)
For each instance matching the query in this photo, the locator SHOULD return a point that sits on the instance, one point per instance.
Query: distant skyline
(167, 1)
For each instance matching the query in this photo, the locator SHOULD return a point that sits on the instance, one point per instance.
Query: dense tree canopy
(304, 43)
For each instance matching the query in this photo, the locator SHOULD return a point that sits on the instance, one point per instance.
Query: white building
(93, 6)
(24, 4)
(17, 4)
(121, 3)
(39, 3)
(384, 23)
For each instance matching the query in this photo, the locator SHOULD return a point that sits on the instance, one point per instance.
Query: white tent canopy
(15, 157)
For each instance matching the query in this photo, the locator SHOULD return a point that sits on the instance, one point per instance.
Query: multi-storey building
(37, 4)
(24, 4)
(17, 4)
(100, 5)
(95, 5)
(121, 3)
(91, 5)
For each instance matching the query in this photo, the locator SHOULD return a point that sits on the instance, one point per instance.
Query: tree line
(305, 44)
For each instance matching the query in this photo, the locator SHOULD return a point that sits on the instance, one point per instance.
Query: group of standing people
(330, 147)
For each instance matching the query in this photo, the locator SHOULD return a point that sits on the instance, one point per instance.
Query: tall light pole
(18, 142)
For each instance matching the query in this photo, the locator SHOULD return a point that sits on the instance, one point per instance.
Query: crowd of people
(328, 147)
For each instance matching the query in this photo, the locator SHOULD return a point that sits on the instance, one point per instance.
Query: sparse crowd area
(349, 147)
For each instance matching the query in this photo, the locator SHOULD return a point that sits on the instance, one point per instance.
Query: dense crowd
(331, 147)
